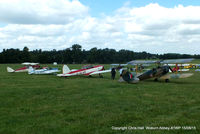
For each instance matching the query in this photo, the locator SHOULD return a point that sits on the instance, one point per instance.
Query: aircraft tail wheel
(166, 80)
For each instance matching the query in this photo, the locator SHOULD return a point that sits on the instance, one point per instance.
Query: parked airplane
(161, 72)
(87, 70)
(178, 69)
(45, 70)
(25, 68)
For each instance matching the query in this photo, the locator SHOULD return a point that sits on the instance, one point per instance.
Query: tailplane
(10, 70)
(65, 69)
(30, 70)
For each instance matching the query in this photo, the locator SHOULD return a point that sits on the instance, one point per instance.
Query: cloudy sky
(155, 26)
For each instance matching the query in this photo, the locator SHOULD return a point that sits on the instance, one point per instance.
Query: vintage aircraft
(45, 70)
(179, 69)
(25, 68)
(129, 77)
(87, 70)
(190, 66)
(161, 72)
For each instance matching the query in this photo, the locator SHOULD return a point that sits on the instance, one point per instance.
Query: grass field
(46, 104)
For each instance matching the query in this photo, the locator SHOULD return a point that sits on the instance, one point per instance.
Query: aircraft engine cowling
(129, 77)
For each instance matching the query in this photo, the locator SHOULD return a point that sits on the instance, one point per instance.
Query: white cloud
(50, 24)
(41, 11)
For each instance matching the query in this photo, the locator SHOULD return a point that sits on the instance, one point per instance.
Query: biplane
(25, 68)
(160, 72)
(87, 70)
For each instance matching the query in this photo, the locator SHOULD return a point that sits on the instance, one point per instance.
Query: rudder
(30, 70)
(65, 69)
(10, 70)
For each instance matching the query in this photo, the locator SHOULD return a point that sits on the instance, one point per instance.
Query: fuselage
(85, 71)
(154, 73)
(25, 68)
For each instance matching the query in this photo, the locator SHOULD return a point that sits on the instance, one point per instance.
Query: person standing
(113, 73)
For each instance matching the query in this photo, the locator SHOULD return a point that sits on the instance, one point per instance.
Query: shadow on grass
(170, 81)
(86, 77)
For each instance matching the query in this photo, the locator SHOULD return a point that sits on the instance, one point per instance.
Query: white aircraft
(88, 70)
(25, 68)
(43, 71)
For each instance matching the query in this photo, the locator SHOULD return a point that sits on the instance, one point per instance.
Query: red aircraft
(88, 70)
(25, 68)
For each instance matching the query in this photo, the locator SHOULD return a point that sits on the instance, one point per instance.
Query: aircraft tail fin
(10, 70)
(65, 69)
(30, 70)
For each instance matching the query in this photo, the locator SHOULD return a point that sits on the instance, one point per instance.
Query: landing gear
(156, 79)
(166, 80)
(100, 76)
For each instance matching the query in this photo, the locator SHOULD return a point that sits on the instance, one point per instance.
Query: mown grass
(46, 104)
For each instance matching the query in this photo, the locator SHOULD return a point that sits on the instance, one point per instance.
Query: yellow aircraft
(190, 66)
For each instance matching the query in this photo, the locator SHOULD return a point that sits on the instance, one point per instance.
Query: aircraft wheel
(155, 79)
(101, 76)
(166, 80)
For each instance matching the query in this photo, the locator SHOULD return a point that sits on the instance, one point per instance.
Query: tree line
(77, 55)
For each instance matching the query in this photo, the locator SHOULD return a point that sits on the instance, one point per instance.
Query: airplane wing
(176, 76)
(99, 72)
(136, 62)
(183, 70)
(51, 71)
(177, 61)
(118, 64)
(28, 63)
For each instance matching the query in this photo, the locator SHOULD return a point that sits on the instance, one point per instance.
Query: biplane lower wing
(176, 76)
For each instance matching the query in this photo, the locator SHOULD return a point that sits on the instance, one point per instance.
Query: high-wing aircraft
(160, 72)
(45, 70)
(87, 70)
(25, 68)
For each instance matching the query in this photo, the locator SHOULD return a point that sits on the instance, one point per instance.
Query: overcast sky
(156, 26)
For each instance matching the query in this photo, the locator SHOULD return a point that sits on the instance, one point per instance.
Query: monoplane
(25, 68)
(87, 70)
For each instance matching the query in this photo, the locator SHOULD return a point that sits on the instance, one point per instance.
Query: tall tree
(26, 55)
(77, 53)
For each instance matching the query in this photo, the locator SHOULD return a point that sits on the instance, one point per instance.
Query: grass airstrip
(46, 104)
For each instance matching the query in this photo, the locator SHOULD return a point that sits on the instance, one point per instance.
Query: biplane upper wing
(118, 64)
(176, 61)
(136, 62)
